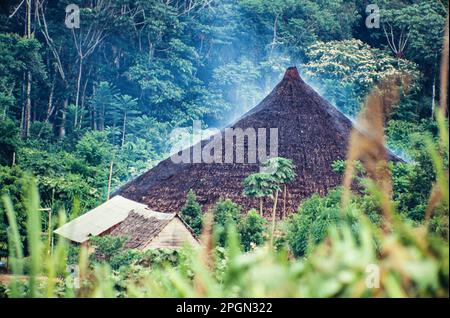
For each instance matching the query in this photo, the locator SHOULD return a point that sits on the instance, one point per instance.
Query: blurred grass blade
(34, 232)
(14, 241)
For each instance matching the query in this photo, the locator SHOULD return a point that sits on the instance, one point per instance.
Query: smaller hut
(146, 229)
(143, 228)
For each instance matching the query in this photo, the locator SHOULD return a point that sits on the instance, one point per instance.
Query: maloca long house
(310, 131)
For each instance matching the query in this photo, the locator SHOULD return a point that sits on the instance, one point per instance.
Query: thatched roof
(142, 227)
(312, 133)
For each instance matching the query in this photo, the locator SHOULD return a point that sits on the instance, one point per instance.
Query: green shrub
(161, 257)
(311, 223)
(14, 182)
(94, 147)
(192, 212)
(41, 131)
(252, 230)
(106, 247)
(124, 258)
(226, 213)
(9, 141)
(411, 182)
(109, 250)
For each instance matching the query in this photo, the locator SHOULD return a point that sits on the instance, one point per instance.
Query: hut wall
(174, 235)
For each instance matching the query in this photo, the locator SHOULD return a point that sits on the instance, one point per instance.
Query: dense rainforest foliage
(79, 103)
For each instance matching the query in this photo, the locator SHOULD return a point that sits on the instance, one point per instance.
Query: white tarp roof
(146, 212)
(99, 219)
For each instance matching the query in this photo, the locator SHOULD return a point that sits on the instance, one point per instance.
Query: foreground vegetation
(60, 138)
(356, 259)
(349, 252)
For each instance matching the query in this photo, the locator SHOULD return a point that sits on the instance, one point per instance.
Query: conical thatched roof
(312, 133)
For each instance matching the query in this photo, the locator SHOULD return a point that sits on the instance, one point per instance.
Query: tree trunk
(5, 111)
(101, 118)
(274, 213)
(110, 177)
(284, 201)
(23, 101)
(93, 109)
(93, 119)
(29, 5)
(33, 112)
(77, 98)
(261, 206)
(123, 129)
(62, 124)
(50, 101)
(83, 98)
(114, 131)
(433, 98)
(27, 111)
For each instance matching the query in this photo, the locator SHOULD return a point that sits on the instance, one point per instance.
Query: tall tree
(262, 185)
(56, 39)
(349, 69)
(96, 22)
(192, 212)
(101, 103)
(25, 131)
(258, 185)
(126, 106)
(282, 170)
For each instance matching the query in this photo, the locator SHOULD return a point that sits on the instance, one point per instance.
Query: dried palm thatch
(139, 229)
(144, 229)
(311, 132)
